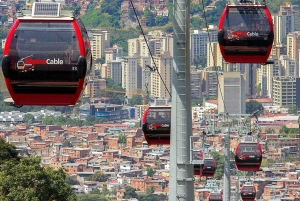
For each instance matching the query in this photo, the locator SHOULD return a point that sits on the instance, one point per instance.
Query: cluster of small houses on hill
(82, 151)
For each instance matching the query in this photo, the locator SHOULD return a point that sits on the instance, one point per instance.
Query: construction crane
(138, 92)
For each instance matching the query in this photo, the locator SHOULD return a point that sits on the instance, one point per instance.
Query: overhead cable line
(212, 53)
(155, 67)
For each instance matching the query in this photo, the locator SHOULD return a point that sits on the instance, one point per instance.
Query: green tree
(149, 196)
(150, 171)
(98, 176)
(220, 164)
(253, 106)
(71, 181)
(197, 23)
(270, 130)
(196, 9)
(200, 61)
(292, 109)
(49, 120)
(149, 18)
(67, 144)
(28, 118)
(90, 120)
(258, 88)
(160, 20)
(122, 139)
(130, 192)
(111, 7)
(92, 197)
(28, 180)
(135, 100)
(8, 152)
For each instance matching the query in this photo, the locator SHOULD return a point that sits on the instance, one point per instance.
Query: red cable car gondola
(209, 167)
(248, 192)
(246, 33)
(157, 124)
(248, 156)
(46, 57)
(215, 196)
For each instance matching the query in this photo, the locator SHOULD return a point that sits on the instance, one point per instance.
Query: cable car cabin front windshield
(44, 58)
(247, 189)
(215, 197)
(209, 162)
(246, 31)
(248, 155)
(158, 121)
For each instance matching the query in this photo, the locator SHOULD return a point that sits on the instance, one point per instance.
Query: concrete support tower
(181, 170)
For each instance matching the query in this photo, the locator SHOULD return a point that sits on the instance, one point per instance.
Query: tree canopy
(98, 176)
(25, 179)
(253, 106)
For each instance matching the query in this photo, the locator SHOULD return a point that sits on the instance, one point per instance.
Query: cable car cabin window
(44, 58)
(158, 121)
(208, 163)
(247, 149)
(215, 197)
(247, 189)
(246, 27)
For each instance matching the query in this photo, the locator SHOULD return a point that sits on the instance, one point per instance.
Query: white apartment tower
(285, 22)
(129, 75)
(266, 74)
(162, 42)
(214, 56)
(100, 40)
(114, 70)
(161, 82)
(210, 82)
(158, 42)
(231, 93)
(144, 63)
(293, 45)
(198, 46)
(289, 66)
(133, 46)
(284, 90)
(112, 53)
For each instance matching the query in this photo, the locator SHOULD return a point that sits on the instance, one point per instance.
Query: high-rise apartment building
(285, 22)
(157, 42)
(198, 45)
(93, 86)
(196, 83)
(144, 81)
(210, 82)
(112, 53)
(249, 71)
(133, 46)
(284, 90)
(161, 82)
(266, 74)
(214, 56)
(100, 40)
(231, 93)
(129, 75)
(289, 66)
(114, 70)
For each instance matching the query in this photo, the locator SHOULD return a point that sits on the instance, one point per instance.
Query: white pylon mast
(181, 170)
